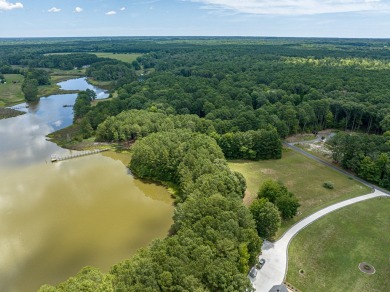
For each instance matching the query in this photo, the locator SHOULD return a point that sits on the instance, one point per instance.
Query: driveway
(275, 254)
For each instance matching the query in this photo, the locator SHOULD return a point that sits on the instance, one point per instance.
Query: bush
(328, 185)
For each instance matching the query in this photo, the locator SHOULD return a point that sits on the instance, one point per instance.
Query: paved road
(275, 254)
(335, 167)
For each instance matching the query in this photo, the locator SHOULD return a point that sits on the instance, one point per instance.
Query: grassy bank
(6, 113)
(11, 92)
(302, 176)
(58, 75)
(101, 84)
(70, 138)
(330, 250)
(53, 89)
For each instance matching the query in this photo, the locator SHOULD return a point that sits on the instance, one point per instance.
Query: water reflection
(57, 218)
(82, 84)
(23, 140)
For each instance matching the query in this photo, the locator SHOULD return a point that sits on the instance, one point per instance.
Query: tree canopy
(278, 194)
(189, 103)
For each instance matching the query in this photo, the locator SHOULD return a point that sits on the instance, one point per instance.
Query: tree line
(32, 79)
(239, 92)
(133, 124)
(293, 85)
(366, 155)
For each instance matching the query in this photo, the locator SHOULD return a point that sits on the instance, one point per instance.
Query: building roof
(278, 288)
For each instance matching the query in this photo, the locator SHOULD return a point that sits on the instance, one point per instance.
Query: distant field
(302, 176)
(11, 93)
(128, 58)
(58, 75)
(330, 250)
(121, 57)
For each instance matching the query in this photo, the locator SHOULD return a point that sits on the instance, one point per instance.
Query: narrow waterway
(56, 218)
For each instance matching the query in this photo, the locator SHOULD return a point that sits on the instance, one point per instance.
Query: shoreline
(7, 113)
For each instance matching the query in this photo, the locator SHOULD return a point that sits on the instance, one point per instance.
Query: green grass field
(128, 58)
(302, 176)
(58, 75)
(101, 84)
(330, 250)
(11, 93)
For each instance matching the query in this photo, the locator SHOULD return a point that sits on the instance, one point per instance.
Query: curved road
(275, 254)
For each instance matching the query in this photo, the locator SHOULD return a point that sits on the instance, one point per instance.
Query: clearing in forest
(302, 176)
(128, 58)
(11, 92)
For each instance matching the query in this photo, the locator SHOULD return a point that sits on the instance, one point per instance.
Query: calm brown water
(57, 218)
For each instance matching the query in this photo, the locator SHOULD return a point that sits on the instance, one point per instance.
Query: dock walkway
(55, 158)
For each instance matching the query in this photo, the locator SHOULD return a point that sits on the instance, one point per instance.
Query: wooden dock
(55, 158)
(19, 107)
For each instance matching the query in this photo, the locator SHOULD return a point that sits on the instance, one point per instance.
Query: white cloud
(54, 9)
(295, 7)
(5, 5)
(78, 9)
(123, 9)
(111, 12)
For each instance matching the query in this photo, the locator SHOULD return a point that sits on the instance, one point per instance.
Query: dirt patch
(320, 148)
(289, 183)
(248, 198)
(268, 171)
(300, 138)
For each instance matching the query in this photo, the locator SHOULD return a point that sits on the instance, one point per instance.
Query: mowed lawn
(11, 93)
(330, 250)
(302, 176)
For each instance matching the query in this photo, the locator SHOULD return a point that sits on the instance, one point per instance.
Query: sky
(280, 18)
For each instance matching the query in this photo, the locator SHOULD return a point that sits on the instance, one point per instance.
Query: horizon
(353, 19)
(195, 36)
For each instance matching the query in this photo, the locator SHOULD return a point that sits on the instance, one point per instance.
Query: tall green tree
(278, 194)
(30, 89)
(266, 216)
(288, 205)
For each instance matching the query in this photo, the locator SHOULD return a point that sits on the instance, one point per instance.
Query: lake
(56, 218)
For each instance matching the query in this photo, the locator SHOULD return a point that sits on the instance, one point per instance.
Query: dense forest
(292, 85)
(366, 155)
(191, 103)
